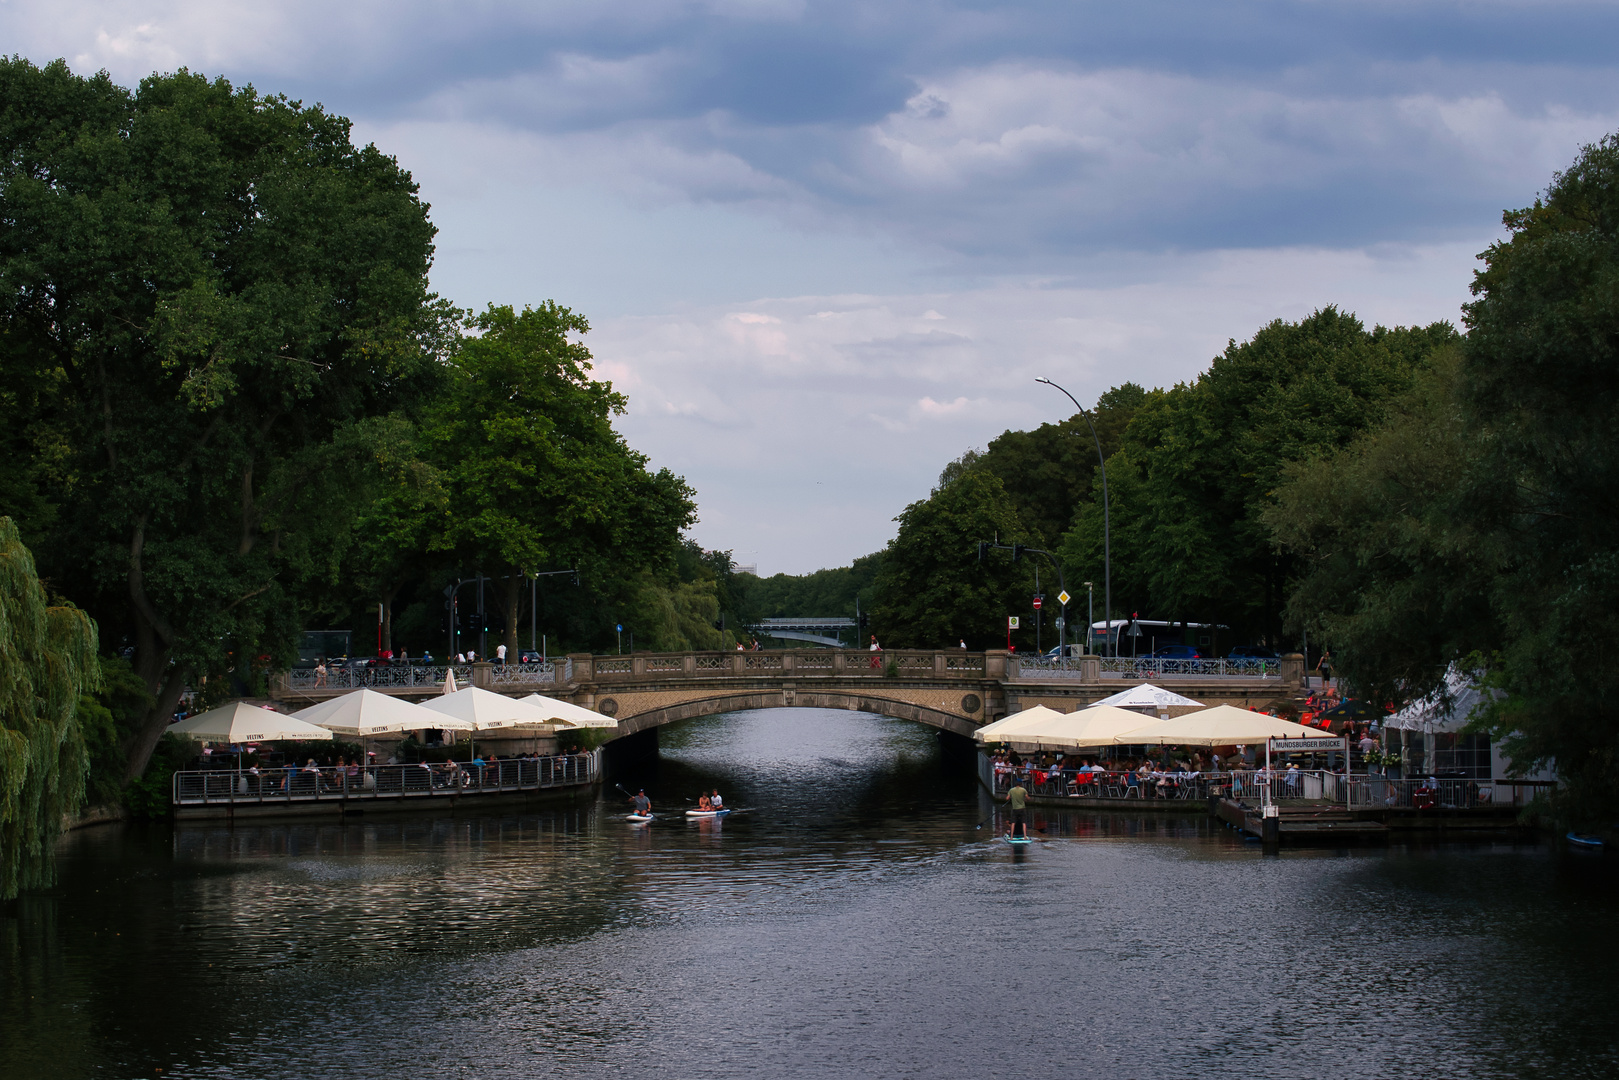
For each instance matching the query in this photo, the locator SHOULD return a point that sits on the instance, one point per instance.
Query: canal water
(851, 919)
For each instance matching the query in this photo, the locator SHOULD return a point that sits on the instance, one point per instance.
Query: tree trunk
(138, 751)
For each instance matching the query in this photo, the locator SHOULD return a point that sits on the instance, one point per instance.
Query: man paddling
(643, 805)
(1018, 800)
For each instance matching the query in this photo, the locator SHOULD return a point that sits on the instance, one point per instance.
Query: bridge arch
(736, 701)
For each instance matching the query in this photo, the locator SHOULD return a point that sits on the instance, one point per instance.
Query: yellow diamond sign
(1063, 597)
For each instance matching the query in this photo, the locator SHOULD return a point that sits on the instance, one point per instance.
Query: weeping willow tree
(47, 659)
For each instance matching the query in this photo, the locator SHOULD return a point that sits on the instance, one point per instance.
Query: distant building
(745, 568)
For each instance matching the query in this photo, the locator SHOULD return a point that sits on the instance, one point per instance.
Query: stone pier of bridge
(950, 689)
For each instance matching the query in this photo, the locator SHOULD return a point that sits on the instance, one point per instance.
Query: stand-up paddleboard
(1020, 840)
(639, 819)
(1582, 840)
(708, 813)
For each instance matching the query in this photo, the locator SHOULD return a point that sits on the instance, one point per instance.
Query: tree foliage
(1482, 525)
(47, 662)
(211, 285)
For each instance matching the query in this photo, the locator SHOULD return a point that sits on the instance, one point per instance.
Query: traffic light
(983, 549)
(1017, 552)
(864, 620)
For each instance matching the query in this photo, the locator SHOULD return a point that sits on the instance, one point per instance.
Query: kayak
(639, 819)
(1584, 841)
(707, 813)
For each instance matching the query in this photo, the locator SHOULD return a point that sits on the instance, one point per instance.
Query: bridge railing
(1128, 667)
(845, 663)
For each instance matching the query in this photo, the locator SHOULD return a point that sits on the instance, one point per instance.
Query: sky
(824, 248)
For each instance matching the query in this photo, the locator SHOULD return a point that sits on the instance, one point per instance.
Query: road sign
(1037, 600)
(1063, 597)
(619, 628)
(1011, 622)
(1306, 746)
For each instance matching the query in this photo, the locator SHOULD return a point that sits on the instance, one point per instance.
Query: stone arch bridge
(950, 689)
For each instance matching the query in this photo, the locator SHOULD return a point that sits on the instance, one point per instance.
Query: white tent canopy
(1148, 696)
(1447, 710)
(240, 722)
(565, 712)
(483, 710)
(1222, 725)
(365, 712)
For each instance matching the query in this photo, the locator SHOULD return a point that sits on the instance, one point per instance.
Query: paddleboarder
(1018, 800)
(643, 805)
(715, 802)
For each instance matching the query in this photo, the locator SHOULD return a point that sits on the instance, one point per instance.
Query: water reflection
(858, 916)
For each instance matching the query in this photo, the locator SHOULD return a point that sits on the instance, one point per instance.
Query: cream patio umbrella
(565, 712)
(1009, 728)
(363, 713)
(1222, 725)
(483, 710)
(240, 722)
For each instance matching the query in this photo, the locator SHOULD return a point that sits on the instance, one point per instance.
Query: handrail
(204, 787)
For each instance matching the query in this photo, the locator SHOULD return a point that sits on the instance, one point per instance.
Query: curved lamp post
(1107, 538)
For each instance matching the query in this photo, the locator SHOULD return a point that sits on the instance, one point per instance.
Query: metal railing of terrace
(208, 787)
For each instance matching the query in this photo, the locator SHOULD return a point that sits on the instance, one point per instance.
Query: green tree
(540, 479)
(931, 590)
(1392, 571)
(47, 662)
(208, 286)
(1212, 454)
(1539, 392)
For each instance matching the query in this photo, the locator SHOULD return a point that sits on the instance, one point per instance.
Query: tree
(540, 479)
(931, 590)
(1212, 453)
(47, 661)
(208, 287)
(1539, 397)
(1391, 570)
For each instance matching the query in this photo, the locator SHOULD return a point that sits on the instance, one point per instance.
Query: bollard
(1270, 826)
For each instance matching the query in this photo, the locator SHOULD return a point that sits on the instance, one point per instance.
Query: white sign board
(1011, 622)
(1307, 746)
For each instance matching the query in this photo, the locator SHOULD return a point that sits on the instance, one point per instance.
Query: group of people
(706, 802)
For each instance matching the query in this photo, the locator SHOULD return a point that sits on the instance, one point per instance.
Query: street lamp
(1090, 617)
(1107, 531)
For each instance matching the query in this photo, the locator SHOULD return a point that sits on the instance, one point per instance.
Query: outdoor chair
(1132, 786)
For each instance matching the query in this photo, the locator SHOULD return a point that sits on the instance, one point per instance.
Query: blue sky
(827, 247)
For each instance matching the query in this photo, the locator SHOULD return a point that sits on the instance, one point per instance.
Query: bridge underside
(952, 710)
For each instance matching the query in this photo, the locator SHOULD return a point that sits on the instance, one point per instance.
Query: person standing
(1324, 667)
(500, 654)
(1018, 800)
(876, 661)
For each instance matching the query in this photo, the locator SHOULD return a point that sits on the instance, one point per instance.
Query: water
(852, 921)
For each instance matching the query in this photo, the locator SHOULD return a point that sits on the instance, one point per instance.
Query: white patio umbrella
(1148, 696)
(485, 710)
(565, 712)
(240, 722)
(362, 713)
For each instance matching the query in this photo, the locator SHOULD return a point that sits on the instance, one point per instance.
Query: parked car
(1072, 652)
(1250, 657)
(526, 657)
(1176, 657)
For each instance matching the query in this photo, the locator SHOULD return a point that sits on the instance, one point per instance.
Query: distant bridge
(811, 630)
(950, 689)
